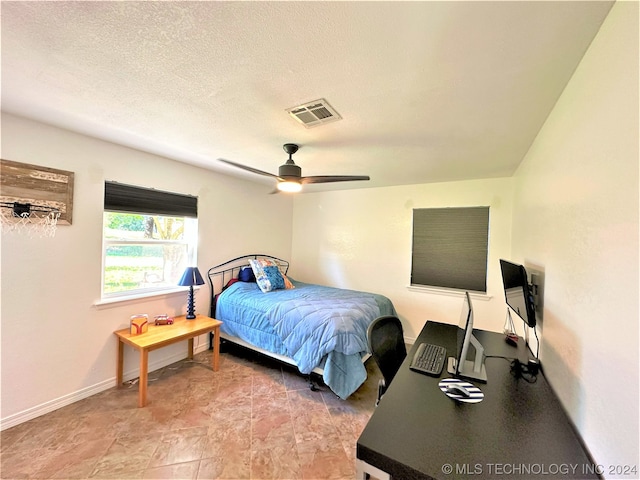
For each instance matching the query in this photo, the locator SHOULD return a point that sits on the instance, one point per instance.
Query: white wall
(576, 216)
(56, 345)
(361, 239)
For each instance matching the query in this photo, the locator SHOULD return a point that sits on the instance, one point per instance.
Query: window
(450, 248)
(149, 238)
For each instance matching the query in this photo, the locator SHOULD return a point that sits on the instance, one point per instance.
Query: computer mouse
(456, 389)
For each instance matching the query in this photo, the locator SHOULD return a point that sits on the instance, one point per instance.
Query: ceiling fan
(290, 177)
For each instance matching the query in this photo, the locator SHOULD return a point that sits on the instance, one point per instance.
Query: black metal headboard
(220, 275)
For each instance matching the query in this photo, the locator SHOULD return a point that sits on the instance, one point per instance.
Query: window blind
(450, 247)
(119, 197)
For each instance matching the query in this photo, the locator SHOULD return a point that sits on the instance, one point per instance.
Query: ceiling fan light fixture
(289, 186)
(290, 177)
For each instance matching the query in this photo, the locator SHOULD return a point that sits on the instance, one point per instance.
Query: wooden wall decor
(41, 186)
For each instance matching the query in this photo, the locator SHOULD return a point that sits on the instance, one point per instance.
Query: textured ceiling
(428, 91)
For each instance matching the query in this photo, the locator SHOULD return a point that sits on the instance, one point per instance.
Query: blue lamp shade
(191, 277)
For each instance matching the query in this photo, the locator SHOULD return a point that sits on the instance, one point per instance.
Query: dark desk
(519, 430)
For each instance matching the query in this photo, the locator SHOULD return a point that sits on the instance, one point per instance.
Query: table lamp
(191, 277)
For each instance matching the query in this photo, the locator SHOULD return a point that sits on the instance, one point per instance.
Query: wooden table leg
(144, 370)
(215, 358)
(120, 364)
(190, 349)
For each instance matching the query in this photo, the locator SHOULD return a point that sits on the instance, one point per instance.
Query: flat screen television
(517, 292)
(459, 366)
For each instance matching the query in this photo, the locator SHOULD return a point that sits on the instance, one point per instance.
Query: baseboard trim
(52, 405)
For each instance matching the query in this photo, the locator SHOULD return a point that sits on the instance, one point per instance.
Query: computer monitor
(459, 366)
(517, 292)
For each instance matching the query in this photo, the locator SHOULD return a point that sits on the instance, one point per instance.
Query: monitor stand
(475, 369)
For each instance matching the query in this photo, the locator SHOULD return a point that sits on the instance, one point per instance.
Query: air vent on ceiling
(314, 113)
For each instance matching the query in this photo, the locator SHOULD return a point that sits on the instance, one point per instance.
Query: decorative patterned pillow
(268, 275)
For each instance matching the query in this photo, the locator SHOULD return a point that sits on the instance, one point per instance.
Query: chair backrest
(386, 342)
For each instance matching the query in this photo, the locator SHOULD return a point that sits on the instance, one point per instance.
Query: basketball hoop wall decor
(34, 199)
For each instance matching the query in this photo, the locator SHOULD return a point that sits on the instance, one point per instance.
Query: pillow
(268, 275)
(229, 283)
(246, 274)
(287, 283)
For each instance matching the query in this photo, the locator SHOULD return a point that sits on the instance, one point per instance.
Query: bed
(318, 329)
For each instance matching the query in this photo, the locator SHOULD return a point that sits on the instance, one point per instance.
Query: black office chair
(386, 342)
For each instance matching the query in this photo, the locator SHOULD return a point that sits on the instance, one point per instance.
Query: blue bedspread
(312, 324)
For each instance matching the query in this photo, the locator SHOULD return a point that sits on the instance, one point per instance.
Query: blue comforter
(314, 325)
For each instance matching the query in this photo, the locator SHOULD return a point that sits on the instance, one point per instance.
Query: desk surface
(519, 430)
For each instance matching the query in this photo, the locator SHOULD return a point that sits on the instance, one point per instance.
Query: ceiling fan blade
(290, 177)
(333, 178)
(249, 169)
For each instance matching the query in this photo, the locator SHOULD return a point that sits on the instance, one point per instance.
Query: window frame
(133, 200)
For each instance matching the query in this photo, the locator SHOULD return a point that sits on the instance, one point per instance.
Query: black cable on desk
(518, 369)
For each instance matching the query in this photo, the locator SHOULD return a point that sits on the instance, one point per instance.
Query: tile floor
(254, 419)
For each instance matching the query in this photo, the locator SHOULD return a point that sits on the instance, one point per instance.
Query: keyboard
(429, 359)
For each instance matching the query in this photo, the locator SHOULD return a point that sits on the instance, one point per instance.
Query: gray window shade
(119, 197)
(450, 247)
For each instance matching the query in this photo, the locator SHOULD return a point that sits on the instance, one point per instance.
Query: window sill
(450, 292)
(117, 301)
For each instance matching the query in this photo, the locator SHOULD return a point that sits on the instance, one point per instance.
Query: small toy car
(163, 320)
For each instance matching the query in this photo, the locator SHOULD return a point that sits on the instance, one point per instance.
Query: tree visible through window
(143, 251)
(450, 248)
